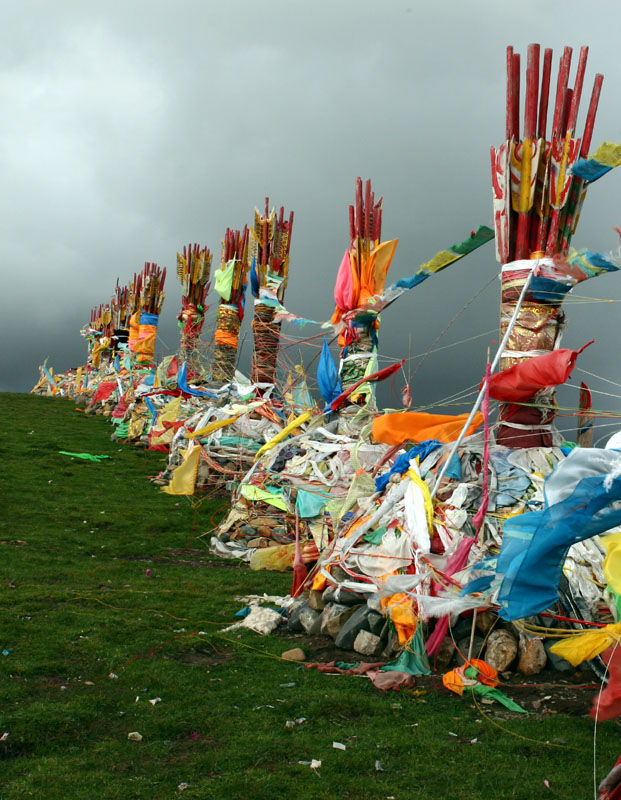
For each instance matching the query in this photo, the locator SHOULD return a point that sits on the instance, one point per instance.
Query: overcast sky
(130, 128)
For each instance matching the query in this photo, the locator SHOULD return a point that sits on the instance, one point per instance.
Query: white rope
(599, 696)
(494, 364)
(599, 377)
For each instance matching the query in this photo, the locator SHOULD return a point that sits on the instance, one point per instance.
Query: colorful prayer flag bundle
(120, 307)
(149, 286)
(193, 272)
(270, 245)
(231, 281)
(361, 276)
(152, 288)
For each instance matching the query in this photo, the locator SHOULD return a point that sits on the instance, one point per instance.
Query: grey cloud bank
(133, 128)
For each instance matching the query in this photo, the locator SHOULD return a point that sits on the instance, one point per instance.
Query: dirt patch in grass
(206, 658)
(322, 648)
(188, 558)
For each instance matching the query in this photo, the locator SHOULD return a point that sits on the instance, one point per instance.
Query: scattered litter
(134, 736)
(339, 746)
(89, 683)
(147, 572)
(6, 651)
(287, 685)
(183, 786)
(113, 675)
(291, 723)
(452, 734)
(259, 620)
(379, 767)
(155, 700)
(137, 698)
(315, 763)
(4, 736)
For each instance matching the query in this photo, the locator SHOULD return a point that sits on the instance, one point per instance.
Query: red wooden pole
(515, 90)
(544, 97)
(590, 119)
(577, 93)
(532, 89)
(509, 101)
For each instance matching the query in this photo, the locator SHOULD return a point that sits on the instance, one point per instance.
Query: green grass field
(88, 638)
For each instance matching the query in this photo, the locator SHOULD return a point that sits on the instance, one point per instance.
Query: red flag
(375, 376)
(523, 380)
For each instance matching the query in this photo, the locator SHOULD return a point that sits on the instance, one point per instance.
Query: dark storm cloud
(133, 128)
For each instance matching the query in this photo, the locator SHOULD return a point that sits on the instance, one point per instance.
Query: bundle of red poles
(152, 292)
(537, 200)
(272, 241)
(235, 246)
(193, 271)
(365, 218)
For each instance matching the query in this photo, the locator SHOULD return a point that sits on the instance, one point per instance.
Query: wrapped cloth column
(538, 330)
(230, 284)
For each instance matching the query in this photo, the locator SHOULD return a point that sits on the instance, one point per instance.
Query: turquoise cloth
(311, 504)
(413, 658)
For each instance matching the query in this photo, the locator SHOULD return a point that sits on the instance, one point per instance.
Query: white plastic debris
(134, 736)
(291, 723)
(259, 620)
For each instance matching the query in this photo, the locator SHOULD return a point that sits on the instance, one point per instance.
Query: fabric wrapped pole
(266, 341)
(537, 330)
(226, 339)
(134, 329)
(191, 320)
(144, 346)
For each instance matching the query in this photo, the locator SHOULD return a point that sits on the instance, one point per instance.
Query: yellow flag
(612, 562)
(184, 477)
(284, 433)
(585, 646)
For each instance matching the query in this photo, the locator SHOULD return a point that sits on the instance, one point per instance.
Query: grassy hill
(110, 600)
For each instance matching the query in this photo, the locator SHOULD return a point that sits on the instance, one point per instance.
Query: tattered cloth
(381, 680)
